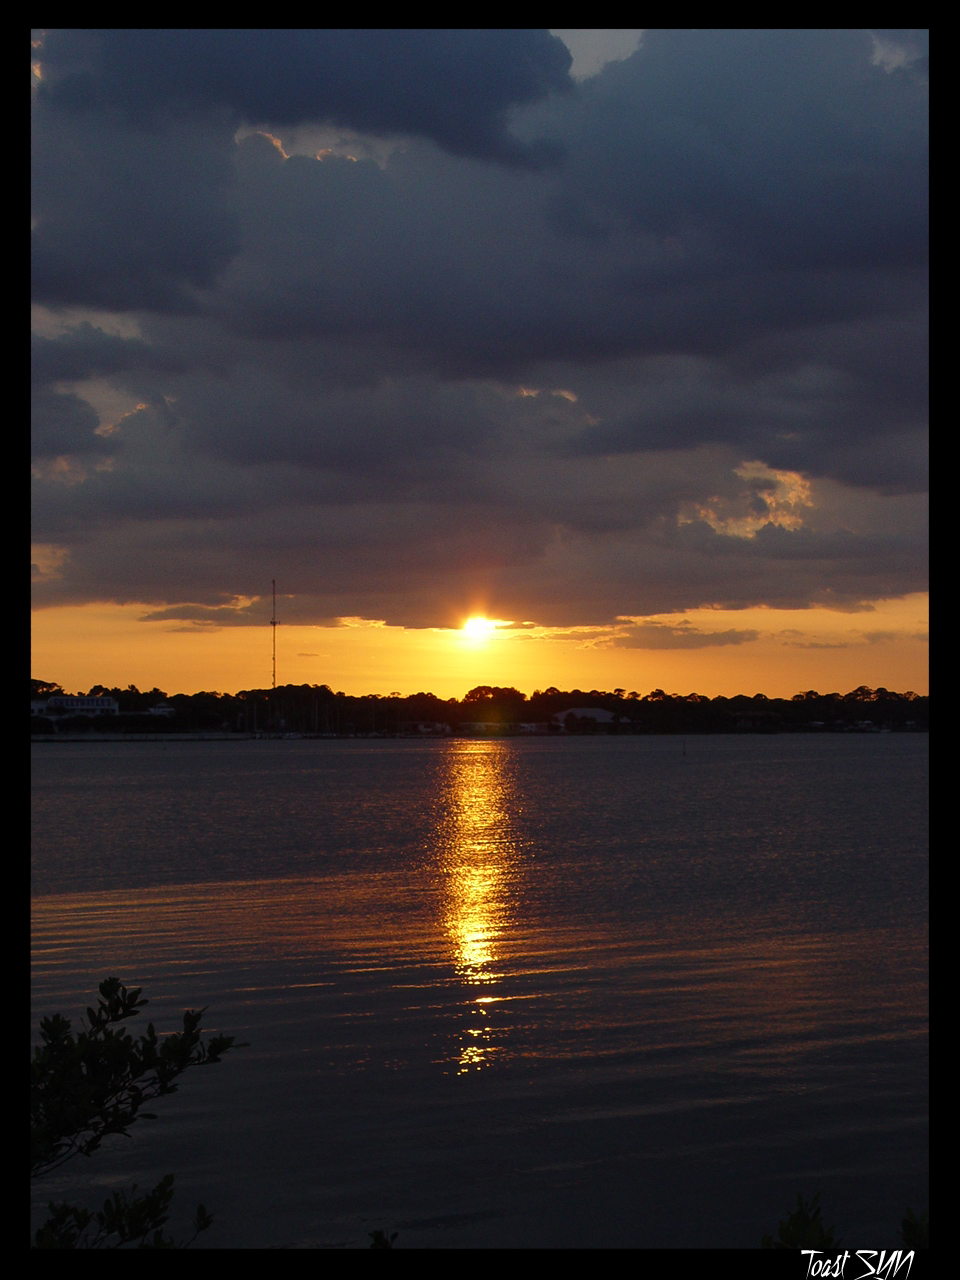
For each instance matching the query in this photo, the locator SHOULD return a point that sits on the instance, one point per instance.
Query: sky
(617, 339)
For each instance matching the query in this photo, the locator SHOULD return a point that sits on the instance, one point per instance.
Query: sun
(479, 627)
(478, 631)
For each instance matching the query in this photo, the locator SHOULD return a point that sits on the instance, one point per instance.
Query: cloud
(63, 423)
(86, 351)
(455, 87)
(659, 635)
(716, 289)
(593, 48)
(128, 219)
(779, 146)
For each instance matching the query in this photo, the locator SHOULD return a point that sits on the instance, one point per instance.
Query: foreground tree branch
(87, 1086)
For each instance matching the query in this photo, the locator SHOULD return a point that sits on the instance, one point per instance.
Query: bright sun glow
(479, 626)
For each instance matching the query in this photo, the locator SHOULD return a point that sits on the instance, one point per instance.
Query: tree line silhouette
(312, 709)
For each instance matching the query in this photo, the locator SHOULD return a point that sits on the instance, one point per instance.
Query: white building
(597, 714)
(62, 704)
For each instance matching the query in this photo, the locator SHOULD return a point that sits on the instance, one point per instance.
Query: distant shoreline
(161, 738)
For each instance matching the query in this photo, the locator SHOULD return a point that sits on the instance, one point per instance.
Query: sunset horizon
(614, 356)
(480, 638)
(840, 653)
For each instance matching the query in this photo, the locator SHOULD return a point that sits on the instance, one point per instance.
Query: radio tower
(273, 623)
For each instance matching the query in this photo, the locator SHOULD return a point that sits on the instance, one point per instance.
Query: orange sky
(794, 651)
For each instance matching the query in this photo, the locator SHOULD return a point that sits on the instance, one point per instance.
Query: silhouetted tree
(804, 1229)
(316, 708)
(86, 1087)
(44, 688)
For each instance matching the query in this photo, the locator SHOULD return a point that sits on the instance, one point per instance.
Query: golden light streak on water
(476, 866)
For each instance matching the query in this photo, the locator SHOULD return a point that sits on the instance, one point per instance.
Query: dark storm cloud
(387, 429)
(847, 400)
(455, 87)
(63, 423)
(785, 147)
(814, 227)
(87, 352)
(128, 219)
(456, 374)
(132, 182)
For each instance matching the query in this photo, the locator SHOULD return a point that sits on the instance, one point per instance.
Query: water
(552, 992)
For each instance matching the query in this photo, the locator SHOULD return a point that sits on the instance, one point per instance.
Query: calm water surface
(551, 992)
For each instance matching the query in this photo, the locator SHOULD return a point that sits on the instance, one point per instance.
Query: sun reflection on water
(478, 854)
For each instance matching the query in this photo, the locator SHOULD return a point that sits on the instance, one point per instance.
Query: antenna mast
(273, 623)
